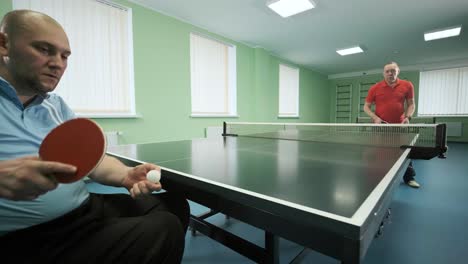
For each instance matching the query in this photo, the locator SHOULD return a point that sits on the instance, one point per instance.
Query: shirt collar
(10, 92)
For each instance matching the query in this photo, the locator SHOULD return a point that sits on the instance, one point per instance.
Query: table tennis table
(329, 192)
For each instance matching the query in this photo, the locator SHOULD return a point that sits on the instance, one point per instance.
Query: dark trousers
(409, 173)
(108, 228)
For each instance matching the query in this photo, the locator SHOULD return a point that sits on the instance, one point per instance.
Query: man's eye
(43, 50)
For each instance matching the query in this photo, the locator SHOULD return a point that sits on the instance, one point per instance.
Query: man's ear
(3, 44)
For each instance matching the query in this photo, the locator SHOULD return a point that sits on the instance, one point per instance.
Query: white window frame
(99, 80)
(213, 77)
(288, 101)
(443, 92)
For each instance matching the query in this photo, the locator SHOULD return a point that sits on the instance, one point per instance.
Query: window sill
(288, 117)
(442, 116)
(99, 116)
(213, 115)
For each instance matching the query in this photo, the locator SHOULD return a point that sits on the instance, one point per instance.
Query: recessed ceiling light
(349, 51)
(286, 8)
(442, 33)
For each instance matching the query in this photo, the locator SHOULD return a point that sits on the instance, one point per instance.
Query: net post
(225, 131)
(441, 139)
(224, 128)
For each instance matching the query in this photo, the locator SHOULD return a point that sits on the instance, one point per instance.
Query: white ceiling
(390, 30)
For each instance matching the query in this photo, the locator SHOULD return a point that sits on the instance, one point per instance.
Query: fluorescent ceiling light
(442, 33)
(349, 51)
(287, 8)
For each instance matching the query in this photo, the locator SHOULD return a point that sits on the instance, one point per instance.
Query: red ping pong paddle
(79, 142)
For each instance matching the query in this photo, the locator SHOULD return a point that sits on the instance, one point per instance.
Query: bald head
(34, 50)
(392, 63)
(390, 72)
(19, 22)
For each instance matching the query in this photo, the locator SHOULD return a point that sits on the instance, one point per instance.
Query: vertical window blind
(443, 92)
(213, 77)
(99, 79)
(288, 91)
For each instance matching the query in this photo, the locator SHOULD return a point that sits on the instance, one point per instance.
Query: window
(99, 79)
(213, 77)
(288, 91)
(443, 92)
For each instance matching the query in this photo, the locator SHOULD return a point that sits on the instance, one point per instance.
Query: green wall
(412, 76)
(162, 83)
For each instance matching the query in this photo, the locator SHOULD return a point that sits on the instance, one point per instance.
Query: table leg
(271, 248)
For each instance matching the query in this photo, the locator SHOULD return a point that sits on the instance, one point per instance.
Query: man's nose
(57, 61)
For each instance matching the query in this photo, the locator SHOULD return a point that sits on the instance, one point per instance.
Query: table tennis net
(420, 138)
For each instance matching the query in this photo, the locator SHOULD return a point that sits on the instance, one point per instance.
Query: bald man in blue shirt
(64, 223)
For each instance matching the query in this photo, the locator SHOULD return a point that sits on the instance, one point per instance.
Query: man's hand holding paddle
(26, 178)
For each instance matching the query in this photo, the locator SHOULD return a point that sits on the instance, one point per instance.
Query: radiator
(112, 137)
(454, 129)
(211, 132)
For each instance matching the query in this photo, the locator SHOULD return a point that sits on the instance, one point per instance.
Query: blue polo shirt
(22, 130)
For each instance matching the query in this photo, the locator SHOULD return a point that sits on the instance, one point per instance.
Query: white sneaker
(413, 184)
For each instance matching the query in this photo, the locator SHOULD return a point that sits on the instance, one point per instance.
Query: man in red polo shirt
(389, 97)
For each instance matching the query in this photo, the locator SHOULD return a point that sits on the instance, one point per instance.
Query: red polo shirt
(390, 102)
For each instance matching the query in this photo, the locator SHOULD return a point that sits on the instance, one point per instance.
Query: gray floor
(427, 224)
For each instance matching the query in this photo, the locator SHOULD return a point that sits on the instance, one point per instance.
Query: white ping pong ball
(153, 176)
